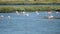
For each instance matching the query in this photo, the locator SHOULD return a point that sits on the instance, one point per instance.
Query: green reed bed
(28, 1)
(5, 9)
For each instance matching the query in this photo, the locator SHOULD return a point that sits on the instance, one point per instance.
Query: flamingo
(57, 12)
(37, 12)
(49, 12)
(8, 17)
(50, 16)
(27, 14)
(17, 12)
(2, 16)
(24, 12)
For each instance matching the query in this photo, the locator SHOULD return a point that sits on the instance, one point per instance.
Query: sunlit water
(32, 24)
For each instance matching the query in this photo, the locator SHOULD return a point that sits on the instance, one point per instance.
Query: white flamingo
(50, 17)
(27, 14)
(9, 17)
(49, 12)
(37, 12)
(2, 16)
(24, 12)
(17, 12)
(57, 12)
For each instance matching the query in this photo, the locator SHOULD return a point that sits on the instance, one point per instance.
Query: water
(32, 5)
(32, 24)
(41, 4)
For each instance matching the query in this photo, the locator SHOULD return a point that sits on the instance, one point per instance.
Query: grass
(6, 9)
(28, 1)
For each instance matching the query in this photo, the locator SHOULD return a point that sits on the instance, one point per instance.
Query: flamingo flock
(27, 14)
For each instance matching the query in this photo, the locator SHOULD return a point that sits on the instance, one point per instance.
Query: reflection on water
(32, 24)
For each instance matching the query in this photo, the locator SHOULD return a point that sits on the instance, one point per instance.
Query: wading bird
(37, 12)
(9, 17)
(57, 12)
(50, 17)
(2, 16)
(49, 12)
(25, 14)
(17, 12)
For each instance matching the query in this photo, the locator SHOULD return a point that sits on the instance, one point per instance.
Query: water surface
(32, 24)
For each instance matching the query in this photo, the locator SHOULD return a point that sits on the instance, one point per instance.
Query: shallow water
(41, 4)
(32, 24)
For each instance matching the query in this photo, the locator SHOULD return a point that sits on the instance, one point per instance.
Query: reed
(6, 9)
(28, 1)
